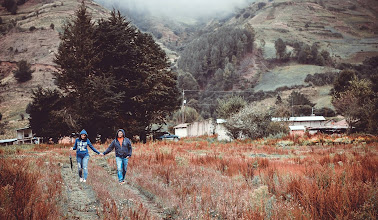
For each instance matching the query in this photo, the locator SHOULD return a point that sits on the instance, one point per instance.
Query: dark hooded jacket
(121, 150)
(81, 146)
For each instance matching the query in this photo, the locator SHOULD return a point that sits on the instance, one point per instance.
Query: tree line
(302, 53)
(209, 63)
(110, 76)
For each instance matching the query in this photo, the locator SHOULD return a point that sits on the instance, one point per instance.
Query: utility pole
(183, 107)
(292, 106)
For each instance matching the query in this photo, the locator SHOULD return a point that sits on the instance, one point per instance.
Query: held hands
(101, 154)
(71, 148)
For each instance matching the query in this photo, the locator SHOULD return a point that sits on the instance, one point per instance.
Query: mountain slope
(37, 46)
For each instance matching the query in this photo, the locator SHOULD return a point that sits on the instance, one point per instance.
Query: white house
(308, 121)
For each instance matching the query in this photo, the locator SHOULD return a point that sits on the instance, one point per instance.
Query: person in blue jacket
(123, 151)
(82, 155)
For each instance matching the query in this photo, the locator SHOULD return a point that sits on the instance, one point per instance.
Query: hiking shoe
(81, 180)
(121, 183)
(84, 180)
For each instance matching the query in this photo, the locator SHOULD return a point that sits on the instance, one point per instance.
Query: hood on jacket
(124, 134)
(84, 132)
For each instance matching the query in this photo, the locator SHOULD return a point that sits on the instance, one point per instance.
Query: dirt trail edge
(153, 207)
(82, 201)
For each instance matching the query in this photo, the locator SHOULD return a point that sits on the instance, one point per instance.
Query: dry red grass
(29, 189)
(241, 180)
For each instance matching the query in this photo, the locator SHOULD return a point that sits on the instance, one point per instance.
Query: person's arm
(131, 148)
(110, 148)
(92, 147)
(75, 145)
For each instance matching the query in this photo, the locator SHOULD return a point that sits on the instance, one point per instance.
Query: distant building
(24, 135)
(297, 130)
(331, 127)
(206, 127)
(195, 129)
(314, 124)
(181, 130)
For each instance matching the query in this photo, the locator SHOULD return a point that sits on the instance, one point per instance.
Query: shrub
(326, 112)
(52, 26)
(10, 5)
(253, 123)
(23, 72)
(261, 5)
(21, 2)
(321, 79)
(32, 28)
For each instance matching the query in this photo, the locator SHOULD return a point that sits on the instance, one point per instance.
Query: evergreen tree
(280, 48)
(343, 81)
(300, 104)
(112, 76)
(45, 119)
(23, 72)
(76, 55)
(297, 98)
(142, 72)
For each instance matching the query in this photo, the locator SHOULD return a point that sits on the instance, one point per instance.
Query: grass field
(288, 76)
(319, 177)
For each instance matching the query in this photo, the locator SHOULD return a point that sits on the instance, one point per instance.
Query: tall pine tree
(112, 76)
(142, 72)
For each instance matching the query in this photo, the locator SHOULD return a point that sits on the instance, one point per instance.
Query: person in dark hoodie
(82, 155)
(123, 150)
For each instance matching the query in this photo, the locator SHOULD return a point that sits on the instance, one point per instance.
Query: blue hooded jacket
(81, 146)
(121, 150)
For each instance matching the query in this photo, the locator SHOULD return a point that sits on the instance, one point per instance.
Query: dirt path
(153, 207)
(82, 201)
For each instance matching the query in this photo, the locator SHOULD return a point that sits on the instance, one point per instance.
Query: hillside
(18, 41)
(346, 29)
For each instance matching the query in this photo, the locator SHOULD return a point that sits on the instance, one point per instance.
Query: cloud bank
(174, 8)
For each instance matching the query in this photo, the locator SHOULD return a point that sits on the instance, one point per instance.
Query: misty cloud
(184, 8)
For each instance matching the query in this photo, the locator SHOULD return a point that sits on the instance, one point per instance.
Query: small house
(24, 135)
(308, 121)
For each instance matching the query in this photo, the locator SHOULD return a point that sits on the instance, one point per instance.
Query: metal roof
(20, 129)
(8, 140)
(297, 128)
(185, 125)
(307, 118)
(221, 121)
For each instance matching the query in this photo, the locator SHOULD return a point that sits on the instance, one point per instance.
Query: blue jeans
(121, 168)
(82, 166)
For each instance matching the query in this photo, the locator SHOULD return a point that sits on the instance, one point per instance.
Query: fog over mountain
(175, 8)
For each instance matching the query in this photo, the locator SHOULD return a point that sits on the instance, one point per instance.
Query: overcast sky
(187, 8)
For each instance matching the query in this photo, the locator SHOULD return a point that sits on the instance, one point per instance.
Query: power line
(219, 91)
